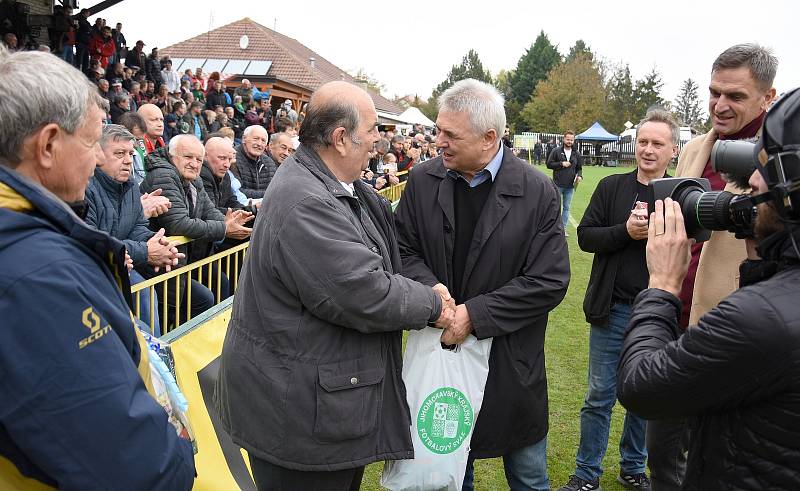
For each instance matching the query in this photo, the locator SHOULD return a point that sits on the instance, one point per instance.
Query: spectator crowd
(182, 154)
(671, 336)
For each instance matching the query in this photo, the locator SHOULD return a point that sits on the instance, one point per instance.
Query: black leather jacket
(736, 374)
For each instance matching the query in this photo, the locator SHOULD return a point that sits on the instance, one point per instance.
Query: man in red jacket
(102, 47)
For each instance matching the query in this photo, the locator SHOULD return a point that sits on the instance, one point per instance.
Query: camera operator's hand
(668, 249)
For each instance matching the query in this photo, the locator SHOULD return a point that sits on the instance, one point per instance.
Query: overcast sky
(410, 46)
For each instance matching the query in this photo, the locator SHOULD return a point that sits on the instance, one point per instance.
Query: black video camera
(705, 210)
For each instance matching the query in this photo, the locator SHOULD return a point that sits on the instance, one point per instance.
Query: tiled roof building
(269, 59)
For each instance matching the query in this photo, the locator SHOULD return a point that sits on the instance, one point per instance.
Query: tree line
(549, 92)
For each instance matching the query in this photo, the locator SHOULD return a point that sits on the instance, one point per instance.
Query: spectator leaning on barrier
(254, 167)
(69, 348)
(313, 337)
(376, 162)
(114, 205)
(736, 373)
(398, 150)
(479, 189)
(192, 214)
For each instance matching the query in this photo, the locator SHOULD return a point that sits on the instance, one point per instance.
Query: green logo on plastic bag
(444, 420)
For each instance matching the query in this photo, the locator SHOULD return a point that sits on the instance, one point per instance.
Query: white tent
(414, 116)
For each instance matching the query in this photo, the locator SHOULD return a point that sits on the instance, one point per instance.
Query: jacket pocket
(348, 399)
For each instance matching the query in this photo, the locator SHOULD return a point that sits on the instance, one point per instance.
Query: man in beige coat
(740, 92)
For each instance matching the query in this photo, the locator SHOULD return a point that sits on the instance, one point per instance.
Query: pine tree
(647, 94)
(579, 47)
(532, 67)
(470, 67)
(687, 105)
(621, 101)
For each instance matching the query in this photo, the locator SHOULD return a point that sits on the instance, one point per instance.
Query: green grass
(566, 351)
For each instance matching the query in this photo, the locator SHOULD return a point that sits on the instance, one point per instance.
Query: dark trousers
(270, 477)
(667, 441)
(81, 57)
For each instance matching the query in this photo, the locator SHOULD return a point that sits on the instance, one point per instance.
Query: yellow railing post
(185, 272)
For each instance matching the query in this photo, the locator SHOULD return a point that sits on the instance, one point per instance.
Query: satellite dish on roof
(244, 41)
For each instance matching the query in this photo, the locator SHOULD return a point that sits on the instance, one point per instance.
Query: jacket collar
(111, 185)
(310, 159)
(253, 162)
(508, 185)
(20, 194)
(507, 182)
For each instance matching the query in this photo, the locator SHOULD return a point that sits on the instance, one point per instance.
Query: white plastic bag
(445, 392)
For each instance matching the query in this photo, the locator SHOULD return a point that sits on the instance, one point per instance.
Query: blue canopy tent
(596, 135)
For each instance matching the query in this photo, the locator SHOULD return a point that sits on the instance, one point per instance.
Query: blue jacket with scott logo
(75, 413)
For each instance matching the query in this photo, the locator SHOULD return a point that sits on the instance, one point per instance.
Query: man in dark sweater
(614, 228)
(566, 166)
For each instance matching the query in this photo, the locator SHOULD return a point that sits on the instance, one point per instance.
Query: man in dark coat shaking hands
(485, 224)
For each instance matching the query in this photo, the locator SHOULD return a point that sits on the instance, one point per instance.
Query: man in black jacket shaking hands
(736, 374)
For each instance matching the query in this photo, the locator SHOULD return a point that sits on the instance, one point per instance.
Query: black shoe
(577, 484)
(634, 481)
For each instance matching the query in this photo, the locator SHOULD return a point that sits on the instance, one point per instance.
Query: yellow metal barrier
(178, 239)
(183, 275)
(393, 193)
(232, 258)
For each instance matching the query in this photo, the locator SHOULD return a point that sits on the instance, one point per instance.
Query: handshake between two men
(453, 319)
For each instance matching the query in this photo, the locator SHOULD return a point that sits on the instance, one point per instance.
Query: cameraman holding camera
(736, 374)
